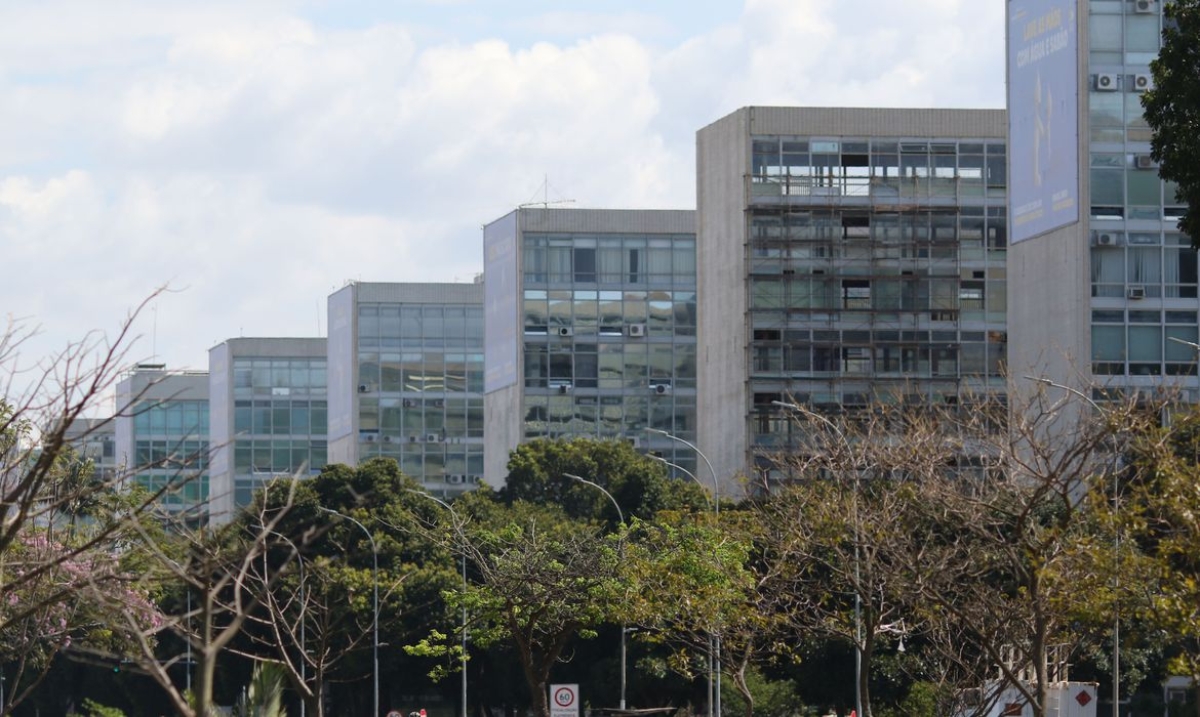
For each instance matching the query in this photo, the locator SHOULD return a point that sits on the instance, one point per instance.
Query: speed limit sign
(564, 700)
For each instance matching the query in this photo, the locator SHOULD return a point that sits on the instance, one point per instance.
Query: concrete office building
(406, 379)
(162, 435)
(845, 256)
(591, 329)
(1100, 277)
(268, 410)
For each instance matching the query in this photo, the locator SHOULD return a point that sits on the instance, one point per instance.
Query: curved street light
(714, 683)
(375, 597)
(621, 516)
(858, 626)
(454, 514)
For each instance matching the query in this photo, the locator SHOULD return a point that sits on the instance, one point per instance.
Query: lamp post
(463, 646)
(375, 598)
(621, 517)
(1116, 648)
(858, 626)
(714, 678)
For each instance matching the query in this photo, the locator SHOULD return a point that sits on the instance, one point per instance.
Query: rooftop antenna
(546, 201)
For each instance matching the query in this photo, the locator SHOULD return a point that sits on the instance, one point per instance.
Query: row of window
(412, 418)
(257, 376)
(279, 456)
(610, 259)
(190, 490)
(612, 312)
(421, 325)
(1137, 272)
(638, 366)
(940, 225)
(280, 417)
(897, 360)
(914, 293)
(610, 416)
(171, 418)
(420, 373)
(188, 455)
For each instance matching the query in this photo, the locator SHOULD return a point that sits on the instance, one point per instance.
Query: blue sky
(254, 155)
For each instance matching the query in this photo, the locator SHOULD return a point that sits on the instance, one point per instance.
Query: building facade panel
(839, 269)
(409, 362)
(607, 331)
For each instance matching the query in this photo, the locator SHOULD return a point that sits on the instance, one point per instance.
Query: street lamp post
(714, 678)
(621, 517)
(463, 646)
(375, 599)
(858, 626)
(1116, 648)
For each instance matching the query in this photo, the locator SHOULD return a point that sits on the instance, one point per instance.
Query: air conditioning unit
(1105, 239)
(1136, 292)
(564, 388)
(387, 439)
(1144, 161)
(474, 479)
(636, 330)
(1106, 82)
(1143, 6)
(433, 438)
(454, 479)
(660, 389)
(565, 331)
(369, 438)
(634, 442)
(407, 402)
(412, 439)
(1141, 83)
(363, 387)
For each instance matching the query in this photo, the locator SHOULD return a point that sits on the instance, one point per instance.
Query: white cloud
(257, 159)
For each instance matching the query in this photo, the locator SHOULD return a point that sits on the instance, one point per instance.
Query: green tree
(1172, 108)
(537, 474)
(541, 580)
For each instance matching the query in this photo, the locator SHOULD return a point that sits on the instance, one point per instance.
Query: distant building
(95, 439)
(406, 379)
(1106, 280)
(268, 416)
(162, 435)
(591, 329)
(845, 256)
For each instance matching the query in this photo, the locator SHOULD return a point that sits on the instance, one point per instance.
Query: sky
(253, 156)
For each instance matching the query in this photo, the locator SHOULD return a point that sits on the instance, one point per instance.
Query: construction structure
(845, 256)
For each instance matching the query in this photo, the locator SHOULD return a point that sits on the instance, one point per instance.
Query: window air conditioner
(1104, 239)
(1143, 6)
(566, 331)
(636, 330)
(1141, 83)
(1106, 82)
(363, 388)
(1136, 292)
(454, 479)
(433, 438)
(1144, 161)
(369, 438)
(660, 389)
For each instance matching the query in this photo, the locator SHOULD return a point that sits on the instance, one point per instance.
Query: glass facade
(1143, 271)
(420, 390)
(279, 421)
(876, 271)
(171, 446)
(609, 326)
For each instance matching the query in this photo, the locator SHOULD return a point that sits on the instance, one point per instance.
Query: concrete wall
(342, 367)
(1049, 284)
(722, 161)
